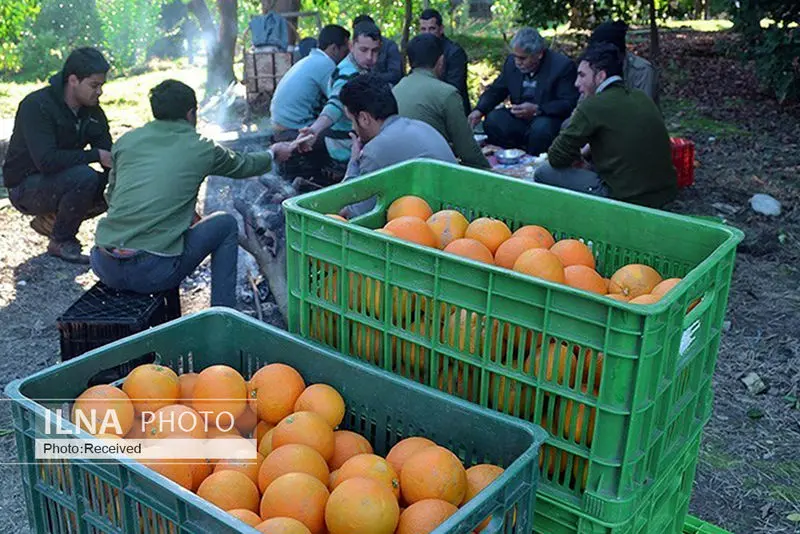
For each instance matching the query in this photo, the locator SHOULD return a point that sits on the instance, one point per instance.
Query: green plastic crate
(662, 510)
(387, 301)
(698, 526)
(82, 495)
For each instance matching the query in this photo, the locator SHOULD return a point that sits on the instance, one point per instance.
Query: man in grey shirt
(382, 137)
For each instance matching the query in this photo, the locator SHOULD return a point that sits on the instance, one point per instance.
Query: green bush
(14, 14)
(129, 29)
(777, 59)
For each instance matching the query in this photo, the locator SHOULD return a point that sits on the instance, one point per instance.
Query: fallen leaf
(755, 413)
(794, 518)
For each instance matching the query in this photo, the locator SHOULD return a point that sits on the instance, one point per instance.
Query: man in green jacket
(151, 239)
(423, 96)
(629, 145)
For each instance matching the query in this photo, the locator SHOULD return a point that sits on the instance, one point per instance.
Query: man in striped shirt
(333, 124)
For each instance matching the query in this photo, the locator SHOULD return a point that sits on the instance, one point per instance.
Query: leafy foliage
(13, 16)
(129, 29)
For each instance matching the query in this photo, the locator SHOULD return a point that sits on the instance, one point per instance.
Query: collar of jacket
(423, 71)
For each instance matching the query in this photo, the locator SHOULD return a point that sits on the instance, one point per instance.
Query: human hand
(474, 118)
(525, 111)
(586, 152)
(105, 158)
(306, 137)
(358, 146)
(282, 151)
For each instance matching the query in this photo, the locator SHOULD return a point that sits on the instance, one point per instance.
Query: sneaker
(43, 224)
(67, 250)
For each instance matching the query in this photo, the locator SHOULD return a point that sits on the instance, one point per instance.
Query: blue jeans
(143, 272)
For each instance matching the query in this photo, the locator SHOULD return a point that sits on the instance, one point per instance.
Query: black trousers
(71, 194)
(534, 136)
(316, 166)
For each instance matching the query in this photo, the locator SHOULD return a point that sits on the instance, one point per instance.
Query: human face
(87, 91)
(431, 26)
(340, 52)
(365, 51)
(588, 80)
(525, 62)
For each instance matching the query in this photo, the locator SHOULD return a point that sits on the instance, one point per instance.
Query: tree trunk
(655, 49)
(409, 14)
(219, 73)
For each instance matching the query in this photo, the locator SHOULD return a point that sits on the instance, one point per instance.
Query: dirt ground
(749, 467)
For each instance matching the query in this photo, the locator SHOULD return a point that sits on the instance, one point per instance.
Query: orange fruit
(478, 477)
(405, 449)
(424, 516)
(103, 409)
(216, 432)
(634, 280)
(574, 429)
(261, 430)
(230, 490)
(292, 458)
(265, 445)
(178, 472)
(246, 422)
(201, 470)
(409, 206)
(573, 252)
(275, 389)
(369, 466)
(490, 232)
(347, 444)
(618, 296)
(175, 419)
(299, 496)
(324, 400)
(362, 506)
(307, 428)
(509, 251)
(336, 216)
(589, 362)
(563, 356)
(470, 248)
(413, 229)
(151, 387)
(333, 478)
(222, 392)
(384, 231)
(244, 466)
(448, 225)
(586, 278)
(251, 518)
(663, 287)
(186, 382)
(413, 356)
(645, 299)
(433, 473)
(282, 525)
(540, 263)
(539, 233)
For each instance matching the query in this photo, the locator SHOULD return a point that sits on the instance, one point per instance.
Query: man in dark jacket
(455, 59)
(390, 63)
(629, 145)
(540, 84)
(47, 168)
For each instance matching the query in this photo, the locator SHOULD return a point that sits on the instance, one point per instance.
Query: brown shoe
(67, 250)
(43, 224)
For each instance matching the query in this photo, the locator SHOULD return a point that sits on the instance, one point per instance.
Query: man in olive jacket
(150, 240)
(629, 145)
(422, 95)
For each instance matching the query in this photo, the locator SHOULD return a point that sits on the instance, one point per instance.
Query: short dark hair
(367, 29)
(362, 18)
(333, 34)
(83, 62)
(610, 32)
(368, 93)
(603, 56)
(171, 100)
(431, 14)
(424, 51)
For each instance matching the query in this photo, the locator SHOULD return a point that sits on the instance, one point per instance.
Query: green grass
(684, 118)
(124, 99)
(698, 25)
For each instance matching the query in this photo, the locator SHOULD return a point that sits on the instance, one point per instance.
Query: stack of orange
(308, 476)
(530, 250)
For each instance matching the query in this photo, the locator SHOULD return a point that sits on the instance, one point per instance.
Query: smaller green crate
(123, 496)
(662, 510)
(697, 526)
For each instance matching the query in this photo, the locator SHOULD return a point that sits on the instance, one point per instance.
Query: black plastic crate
(103, 315)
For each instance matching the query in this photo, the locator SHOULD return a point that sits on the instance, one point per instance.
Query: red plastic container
(683, 159)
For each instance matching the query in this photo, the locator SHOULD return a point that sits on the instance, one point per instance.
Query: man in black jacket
(541, 86)
(390, 63)
(47, 168)
(455, 59)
